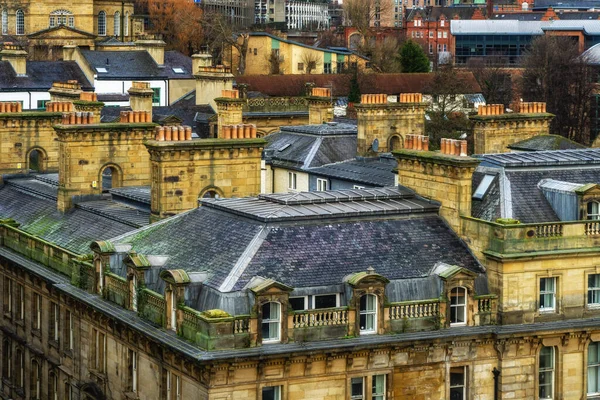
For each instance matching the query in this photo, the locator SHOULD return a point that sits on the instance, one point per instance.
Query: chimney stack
(320, 106)
(154, 46)
(140, 97)
(16, 56)
(210, 82)
(69, 91)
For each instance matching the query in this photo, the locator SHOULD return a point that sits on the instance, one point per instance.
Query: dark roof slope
(546, 142)
(374, 171)
(41, 75)
(138, 65)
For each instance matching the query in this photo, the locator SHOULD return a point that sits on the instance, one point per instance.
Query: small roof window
(178, 70)
(483, 187)
(102, 70)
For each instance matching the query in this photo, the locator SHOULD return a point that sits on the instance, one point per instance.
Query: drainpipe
(496, 373)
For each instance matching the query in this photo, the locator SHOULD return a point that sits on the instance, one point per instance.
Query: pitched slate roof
(32, 203)
(545, 142)
(137, 65)
(515, 193)
(375, 171)
(41, 75)
(305, 239)
(309, 146)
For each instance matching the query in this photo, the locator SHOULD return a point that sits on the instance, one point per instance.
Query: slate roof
(515, 192)
(545, 142)
(375, 171)
(305, 239)
(41, 75)
(516, 27)
(32, 203)
(137, 65)
(309, 146)
(564, 4)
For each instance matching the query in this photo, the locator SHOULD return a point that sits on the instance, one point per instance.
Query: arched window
(36, 389)
(102, 23)
(62, 17)
(458, 306)
(271, 322)
(20, 22)
(395, 143)
(5, 22)
(117, 24)
(126, 23)
(593, 210)
(6, 360)
(546, 373)
(368, 314)
(52, 386)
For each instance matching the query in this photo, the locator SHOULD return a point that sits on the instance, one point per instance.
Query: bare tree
(385, 56)
(554, 72)
(493, 78)
(363, 14)
(275, 61)
(311, 61)
(220, 33)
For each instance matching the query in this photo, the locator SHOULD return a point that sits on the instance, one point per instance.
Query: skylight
(178, 70)
(285, 146)
(483, 187)
(102, 70)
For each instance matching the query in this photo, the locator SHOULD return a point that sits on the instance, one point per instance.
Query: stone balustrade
(322, 317)
(414, 309)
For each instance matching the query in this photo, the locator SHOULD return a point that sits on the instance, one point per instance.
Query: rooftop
(376, 171)
(516, 27)
(545, 142)
(138, 65)
(41, 75)
(542, 158)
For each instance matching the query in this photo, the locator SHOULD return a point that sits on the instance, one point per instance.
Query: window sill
(131, 395)
(53, 343)
(457, 324)
(68, 353)
(367, 333)
(36, 332)
(547, 311)
(272, 341)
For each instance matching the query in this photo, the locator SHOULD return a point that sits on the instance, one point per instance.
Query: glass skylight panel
(178, 70)
(483, 187)
(102, 70)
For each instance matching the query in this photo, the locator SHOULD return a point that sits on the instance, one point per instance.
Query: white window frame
(4, 21)
(278, 390)
(322, 184)
(37, 368)
(102, 23)
(457, 306)
(134, 371)
(593, 367)
(378, 395)
(462, 385)
(37, 298)
(594, 214)
(21, 294)
(56, 333)
(314, 300)
(9, 291)
(358, 187)
(270, 320)
(176, 394)
(292, 180)
(366, 312)
(173, 311)
(70, 323)
(117, 23)
(126, 23)
(546, 292)
(20, 22)
(551, 370)
(358, 396)
(593, 291)
(100, 361)
(305, 298)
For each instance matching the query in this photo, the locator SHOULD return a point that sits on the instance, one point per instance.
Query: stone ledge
(435, 157)
(512, 116)
(204, 143)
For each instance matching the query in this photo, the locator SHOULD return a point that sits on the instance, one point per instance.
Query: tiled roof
(542, 158)
(376, 171)
(545, 142)
(516, 27)
(137, 65)
(41, 75)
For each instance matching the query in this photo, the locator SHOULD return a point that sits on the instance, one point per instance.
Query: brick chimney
(320, 106)
(186, 169)
(229, 109)
(154, 46)
(16, 56)
(388, 122)
(494, 130)
(210, 81)
(140, 97)
(443, 176)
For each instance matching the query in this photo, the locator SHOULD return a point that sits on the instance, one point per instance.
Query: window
(430, 48)
(156, 96)
(52, 386)
(133, 368)
(378, 387)
(69, 325)
(368, 314)
(35, 380)
(439, 35)
(483, 187)
(593, 369)
(445, 35)
(593, 210)
(442, 22)
(358, 187)
(6, 360)
(99, 354)
(430, 34)
(102, 23)
(357, 388)
(292, 180)
(271, 393)
(173, 386)
(458, 383)
(321, 185)
(326, 301)
(126, 23)
(327, 68)
(179, 70)
(68, 391)
(547, 294)
(5, 21)
(458, 306)
(54, 322)
(299, 303)
(300, 66)
(594, 290)
(271, 322)
(61, 17)
(117, 23)
(20, 304)
(37, 312)
(20, 368)
(20, 22)
(445, 47)
(41, 104)
(8, 291)
(546, 370)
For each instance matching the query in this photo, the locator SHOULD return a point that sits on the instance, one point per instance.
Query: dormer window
(593, 210)
(458, 306)
(271, 322)
(62, 17)
(368, 314)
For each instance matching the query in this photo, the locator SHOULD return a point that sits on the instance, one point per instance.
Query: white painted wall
(104, 87)
(29, 99)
